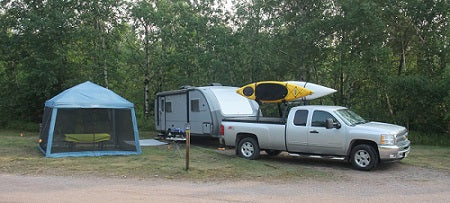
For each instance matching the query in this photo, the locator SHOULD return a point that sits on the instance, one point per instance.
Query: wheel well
(241, 136)
(367, 142)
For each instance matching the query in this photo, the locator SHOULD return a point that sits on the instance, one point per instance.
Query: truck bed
(253, 119)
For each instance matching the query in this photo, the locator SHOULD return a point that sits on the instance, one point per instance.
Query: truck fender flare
(357, 142)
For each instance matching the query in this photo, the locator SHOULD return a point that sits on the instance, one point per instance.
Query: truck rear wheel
(364, 157)
(248, 148)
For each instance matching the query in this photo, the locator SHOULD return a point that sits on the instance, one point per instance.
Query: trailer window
(195, 105)
(300, 117)
(168, 107)
(162, 105)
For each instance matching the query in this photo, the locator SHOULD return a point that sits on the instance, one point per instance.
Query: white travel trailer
(202, 107)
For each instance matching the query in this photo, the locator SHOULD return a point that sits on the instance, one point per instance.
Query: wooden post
(188, 144)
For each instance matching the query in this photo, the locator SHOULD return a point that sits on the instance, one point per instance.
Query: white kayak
(318, 90)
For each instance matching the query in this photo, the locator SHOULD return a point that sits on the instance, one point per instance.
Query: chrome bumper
(394, 152)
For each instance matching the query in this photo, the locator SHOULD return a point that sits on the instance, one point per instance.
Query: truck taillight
(222, 130)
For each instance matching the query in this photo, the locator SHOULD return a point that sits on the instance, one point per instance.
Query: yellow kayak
(273, 91)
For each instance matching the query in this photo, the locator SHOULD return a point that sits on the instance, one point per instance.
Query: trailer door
(162, 113)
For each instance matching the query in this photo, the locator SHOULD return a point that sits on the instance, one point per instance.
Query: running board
(317, 156)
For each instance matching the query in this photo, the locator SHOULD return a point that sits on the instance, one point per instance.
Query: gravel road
(391, 182)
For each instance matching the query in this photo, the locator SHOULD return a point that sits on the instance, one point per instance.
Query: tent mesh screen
(93, 130)
(44, 127)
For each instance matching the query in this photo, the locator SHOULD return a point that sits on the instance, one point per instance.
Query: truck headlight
(387, 139)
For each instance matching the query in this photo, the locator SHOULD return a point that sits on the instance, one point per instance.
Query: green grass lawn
(429, 157)
(19, 155)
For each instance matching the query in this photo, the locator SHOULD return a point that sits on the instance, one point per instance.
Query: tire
(364, 157)
(248, 148)
(272, 152)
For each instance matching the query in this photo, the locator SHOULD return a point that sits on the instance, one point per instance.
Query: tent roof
(88, 95)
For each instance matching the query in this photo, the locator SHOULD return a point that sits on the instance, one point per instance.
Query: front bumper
(394, 152)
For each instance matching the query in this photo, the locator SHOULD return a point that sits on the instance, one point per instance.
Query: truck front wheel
(248, 148)
(364, 157)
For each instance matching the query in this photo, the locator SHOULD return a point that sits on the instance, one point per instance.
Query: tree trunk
(402, 62)
(105, 67)
(341, 85)
(391, 110)
(159, 82)
(147, 74)
(146, 95)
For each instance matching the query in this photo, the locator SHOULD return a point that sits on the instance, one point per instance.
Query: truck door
(322, 140)
(297, 132)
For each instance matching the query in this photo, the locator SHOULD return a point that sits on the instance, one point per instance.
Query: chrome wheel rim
(247, 149)
(362, 158)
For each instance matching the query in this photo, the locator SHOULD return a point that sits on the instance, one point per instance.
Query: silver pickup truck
(318, 131)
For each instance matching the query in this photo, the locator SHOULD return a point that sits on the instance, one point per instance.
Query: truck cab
(320, 131)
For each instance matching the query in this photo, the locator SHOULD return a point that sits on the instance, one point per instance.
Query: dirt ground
(391, 182)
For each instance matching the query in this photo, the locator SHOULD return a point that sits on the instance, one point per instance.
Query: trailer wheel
(248, 148)
(272, 152)
(364, 157)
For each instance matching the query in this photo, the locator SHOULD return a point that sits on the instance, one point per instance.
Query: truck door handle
(313, 131)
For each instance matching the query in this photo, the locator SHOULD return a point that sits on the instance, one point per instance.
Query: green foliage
(146, 124)
(389, 60)
(418, 102)
(429, 138)
(21, 125)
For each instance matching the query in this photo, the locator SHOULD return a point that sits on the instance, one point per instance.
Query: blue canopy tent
(88, 120)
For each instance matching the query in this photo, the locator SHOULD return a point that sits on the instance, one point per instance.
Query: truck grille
(402, 136)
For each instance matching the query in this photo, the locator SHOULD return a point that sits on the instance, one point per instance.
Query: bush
(146, 124)
(428, 138)
(419, 103)
(21, 125)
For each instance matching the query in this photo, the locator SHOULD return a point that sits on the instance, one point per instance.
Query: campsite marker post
(188, 144)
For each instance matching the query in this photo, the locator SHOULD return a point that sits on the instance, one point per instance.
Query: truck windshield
(350, 117)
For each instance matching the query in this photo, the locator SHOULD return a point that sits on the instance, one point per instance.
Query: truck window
(300, 117)
(320, 117)
(168, 107)
(195, 105)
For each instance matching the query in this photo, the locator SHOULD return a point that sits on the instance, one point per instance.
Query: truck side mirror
(330, 124)
(337, 125)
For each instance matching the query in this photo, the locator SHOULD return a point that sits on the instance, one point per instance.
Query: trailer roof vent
(215, 84)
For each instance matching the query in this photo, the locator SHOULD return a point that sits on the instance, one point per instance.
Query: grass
(436, 157)
(19, 155)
